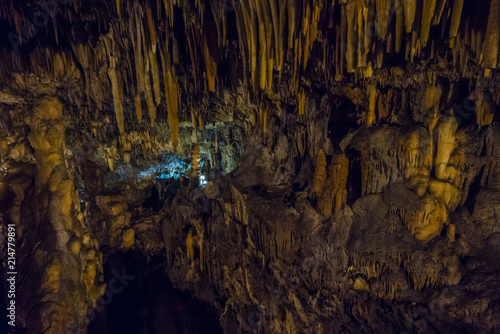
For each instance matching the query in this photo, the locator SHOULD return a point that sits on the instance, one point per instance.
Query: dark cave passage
(141, 300)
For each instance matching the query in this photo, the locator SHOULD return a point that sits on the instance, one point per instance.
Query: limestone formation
(251, 166)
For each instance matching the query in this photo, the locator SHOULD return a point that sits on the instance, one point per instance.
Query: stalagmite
(445, 145)
(455, 20)
(190, 246)
(492, 37)
(195, 161)
(320, 173)
(410, 9)
(301, 102)
(372, 102)
(485, 109)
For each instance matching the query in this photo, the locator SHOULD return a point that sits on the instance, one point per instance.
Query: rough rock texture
(303, 166)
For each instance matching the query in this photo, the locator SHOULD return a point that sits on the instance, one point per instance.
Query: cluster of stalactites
(352, 35)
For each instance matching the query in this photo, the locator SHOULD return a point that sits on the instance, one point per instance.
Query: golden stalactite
(266, 11)
(211, 66)
(117, 92)
(455, 20)
(172, 95)
(149, 95)
(118, 6)
(249, 22)
(243, 39)
(281, 35)
(156, 76)
(341, 42)
(399, 24)
(361, 20)
(262, 43)
(291, 23)
(427, 15)
(438, 13)
(351, 34)
(273, 4)
(410, 9)
(151, 28)
(492, 37)
(383, 8)
(138, 53)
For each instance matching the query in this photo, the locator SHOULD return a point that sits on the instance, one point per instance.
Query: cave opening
(342, 120)
(140, 299)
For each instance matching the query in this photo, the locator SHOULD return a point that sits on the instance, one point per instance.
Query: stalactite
(138, 107)
(399, 24)
(320, 173)
(262, 43)
(149, 99)
(172, 96)
(362, 17)
(281, 35)
(351, 33)
(440, 5)
(428, 12)
(156, 76)
(211, 66)
(250, 18)
(341, 42)
(276, 25)
(268, 19)
(216, 8)
(117, 91)
(492, 37)
(139, 63)
(410, 8)
(382, 19)
(291, 23)
(455, 20)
